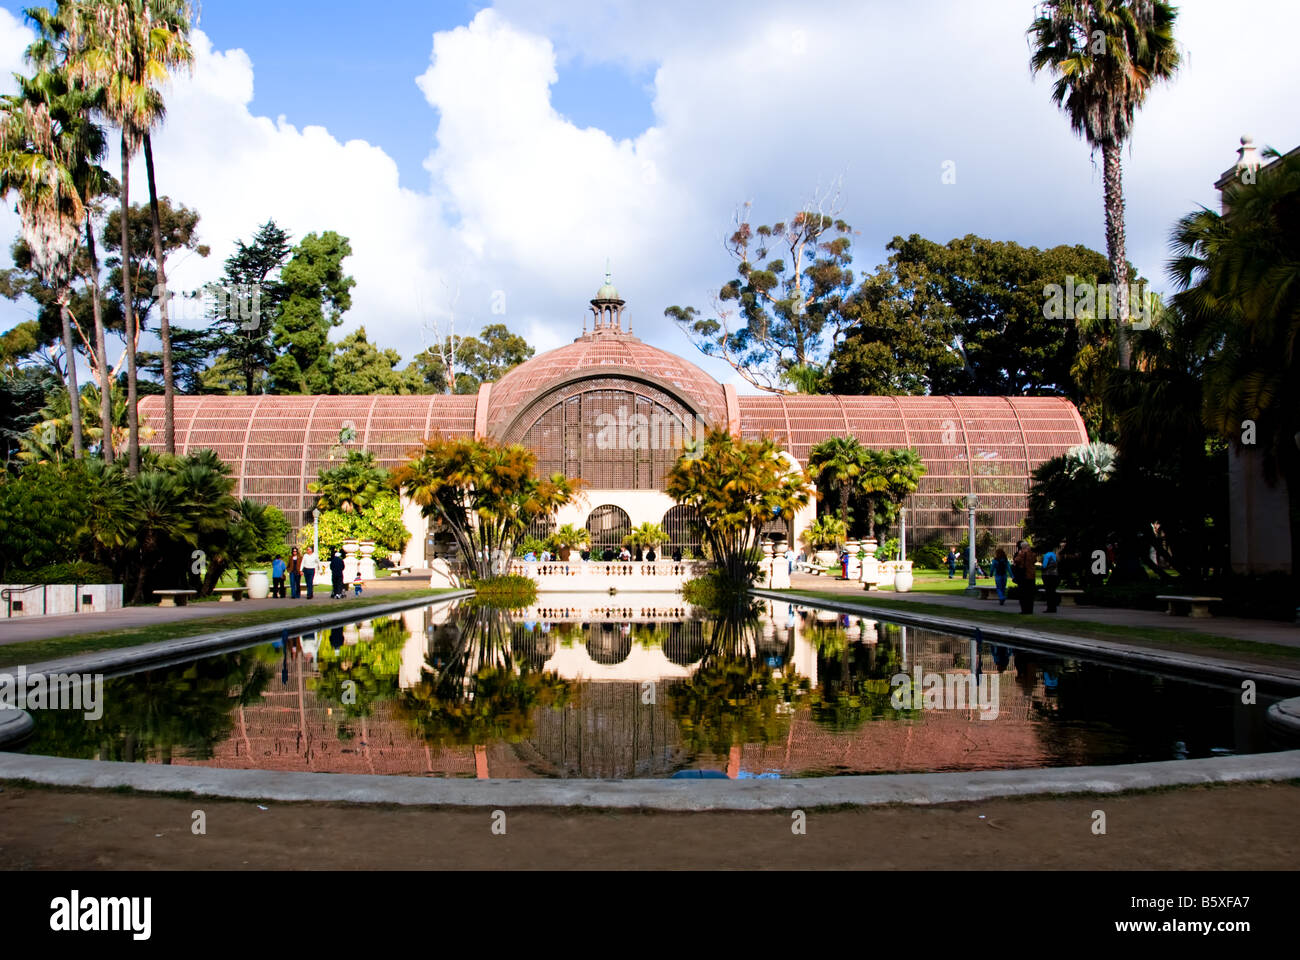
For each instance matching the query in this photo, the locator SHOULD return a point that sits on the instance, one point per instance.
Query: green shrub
(510, 591)
(931, 552)
(532, 545)
(381, 522)
(79, 571)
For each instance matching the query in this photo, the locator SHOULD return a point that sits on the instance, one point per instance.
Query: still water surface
(645, 689)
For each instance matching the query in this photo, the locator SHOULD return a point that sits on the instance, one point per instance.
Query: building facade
(613, 411)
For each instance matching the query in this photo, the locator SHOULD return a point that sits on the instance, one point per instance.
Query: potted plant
(646, 536)
(824, 537)
(569, 538)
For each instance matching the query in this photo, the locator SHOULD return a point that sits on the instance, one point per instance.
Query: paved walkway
(1261, 631)
(43, 628)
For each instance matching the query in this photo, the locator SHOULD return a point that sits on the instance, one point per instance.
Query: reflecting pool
(639, 686)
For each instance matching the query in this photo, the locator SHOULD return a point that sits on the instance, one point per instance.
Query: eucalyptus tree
(1106, 55)
(792, 281)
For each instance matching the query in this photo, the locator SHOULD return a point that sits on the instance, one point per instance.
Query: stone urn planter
(825, 558)
(367, 561)
(259, 585)
(903, 576)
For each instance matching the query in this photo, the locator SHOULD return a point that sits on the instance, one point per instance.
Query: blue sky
(344, 52)
(557, 134)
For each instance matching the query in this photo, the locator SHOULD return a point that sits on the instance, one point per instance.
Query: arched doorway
(608, 525)
(682, 525)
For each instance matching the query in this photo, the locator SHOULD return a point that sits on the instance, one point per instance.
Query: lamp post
(315, 530)
(972, 503)
(902, 533)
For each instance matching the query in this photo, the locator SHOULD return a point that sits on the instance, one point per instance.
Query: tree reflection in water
(150, 716)
(855, 676)
(735, 696)
(474, 688)
(359, 675)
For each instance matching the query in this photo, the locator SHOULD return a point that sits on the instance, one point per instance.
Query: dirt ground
(1251, 826)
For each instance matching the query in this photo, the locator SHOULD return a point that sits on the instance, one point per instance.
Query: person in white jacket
(309, 564)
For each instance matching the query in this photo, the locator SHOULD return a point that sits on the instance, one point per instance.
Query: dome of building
(593, 357)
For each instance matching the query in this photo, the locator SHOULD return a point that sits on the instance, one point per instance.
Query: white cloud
(751, 102)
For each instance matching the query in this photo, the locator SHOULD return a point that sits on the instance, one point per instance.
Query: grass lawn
(32, 651)
(1163, 638)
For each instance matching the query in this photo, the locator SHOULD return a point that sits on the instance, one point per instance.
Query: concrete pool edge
(123, 659)
(666, 795)
(1105, 651)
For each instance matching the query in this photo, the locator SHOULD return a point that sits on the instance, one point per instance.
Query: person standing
(1001, 567)
(309, 564)
(1022, 570)
(1051, 577)
(336, 576)
(277, 577)
(952, 562)
(295, 573)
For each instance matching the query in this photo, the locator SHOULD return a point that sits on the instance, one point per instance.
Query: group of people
(1022, 568)
(301, 571)
(609, 556)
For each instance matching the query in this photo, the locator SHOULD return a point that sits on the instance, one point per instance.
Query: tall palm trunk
(105, 377)
(74, 396)
(1113, 175)
(128, 313)
(164, 323)
(844, 506)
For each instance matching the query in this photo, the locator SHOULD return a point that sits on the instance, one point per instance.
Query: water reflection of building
(618, 723)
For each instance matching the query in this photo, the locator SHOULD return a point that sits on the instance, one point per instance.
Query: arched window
(541, 528)
(608, 525)
(682, 525)
(610, 435)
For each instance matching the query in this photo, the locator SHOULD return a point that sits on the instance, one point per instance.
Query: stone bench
(1196, 606)
(174, 598)
(1066, 596)
(230, 594)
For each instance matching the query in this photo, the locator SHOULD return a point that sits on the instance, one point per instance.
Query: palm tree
(1106, 55)
(487, 494)
(51, 50)
(1239, 280)
(736, 487)
(901, 470)
(36, 160)
(128, 47)
(569, 538)
(839, 462)
(353, 485)
(646, 535)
